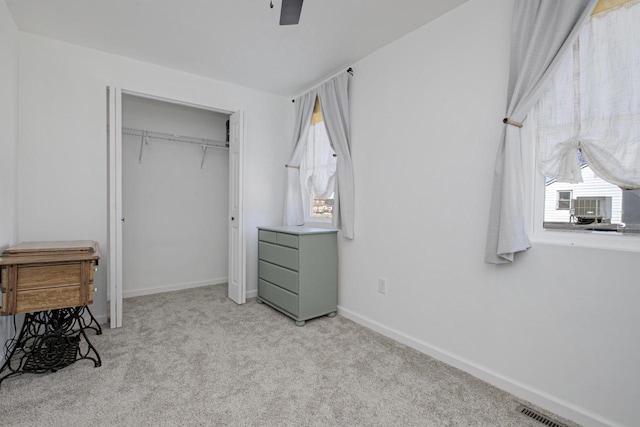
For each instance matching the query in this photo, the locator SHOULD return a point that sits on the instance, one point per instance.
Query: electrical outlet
(382, 286)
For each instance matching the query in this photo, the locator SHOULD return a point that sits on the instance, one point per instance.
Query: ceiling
(236, 41)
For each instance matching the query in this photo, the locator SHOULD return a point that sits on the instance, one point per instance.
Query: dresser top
(29, 248)
(296, 229)
(46, 252)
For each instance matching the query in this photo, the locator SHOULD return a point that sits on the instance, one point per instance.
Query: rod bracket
(204, 153)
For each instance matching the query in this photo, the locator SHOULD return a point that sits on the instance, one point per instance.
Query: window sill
(607, 240)
(319, 222)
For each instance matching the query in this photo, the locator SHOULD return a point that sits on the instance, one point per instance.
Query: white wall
(8, 126)
(560, 326)
(63, 144)
(176, 228)
(8, 142)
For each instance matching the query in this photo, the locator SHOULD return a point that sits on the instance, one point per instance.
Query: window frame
(308, 214)
(534, 190)
(534, 208)
(559, 199)
(308, 197)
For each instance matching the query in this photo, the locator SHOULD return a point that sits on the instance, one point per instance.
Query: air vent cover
(531, 413)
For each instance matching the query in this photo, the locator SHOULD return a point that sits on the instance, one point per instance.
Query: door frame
(115, 214)
(114, 239)
(236, 277)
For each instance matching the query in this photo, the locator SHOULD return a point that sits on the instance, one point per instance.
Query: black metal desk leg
(49, 341)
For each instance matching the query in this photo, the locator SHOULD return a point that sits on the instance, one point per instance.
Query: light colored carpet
(195, 358)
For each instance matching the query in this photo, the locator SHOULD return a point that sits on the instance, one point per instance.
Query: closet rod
(176, 138)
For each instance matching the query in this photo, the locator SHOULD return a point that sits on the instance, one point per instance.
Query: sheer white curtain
(593, 104)
(293, 213)
(318, 165)
(542, 31)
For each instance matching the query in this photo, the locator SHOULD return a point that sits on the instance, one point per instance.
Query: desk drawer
(285, 257)
(49, 275)
(275, 295)
(280, 276)
(29, 301)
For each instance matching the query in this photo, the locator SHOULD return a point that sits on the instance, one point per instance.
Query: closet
(175, 196)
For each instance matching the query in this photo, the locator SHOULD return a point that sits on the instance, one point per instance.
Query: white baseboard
(538, 397)
(102, 319)
(252, 294)
(174, 287)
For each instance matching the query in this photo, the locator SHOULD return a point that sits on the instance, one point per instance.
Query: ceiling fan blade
(290, 12)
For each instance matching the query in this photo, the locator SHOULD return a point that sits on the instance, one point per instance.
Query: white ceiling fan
(290, 11)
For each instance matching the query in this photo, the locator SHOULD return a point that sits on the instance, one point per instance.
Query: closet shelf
(145, 135)
(176, 138)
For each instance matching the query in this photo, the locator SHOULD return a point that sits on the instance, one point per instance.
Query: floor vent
(538, 416)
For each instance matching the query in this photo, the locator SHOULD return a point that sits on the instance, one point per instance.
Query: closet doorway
(175, 193)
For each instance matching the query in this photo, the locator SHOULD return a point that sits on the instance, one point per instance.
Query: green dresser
(298, 271)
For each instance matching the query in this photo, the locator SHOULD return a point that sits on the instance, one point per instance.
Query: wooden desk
(52, 283)
(40, 276)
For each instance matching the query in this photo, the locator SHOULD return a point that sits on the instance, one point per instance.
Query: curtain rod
(349, 70)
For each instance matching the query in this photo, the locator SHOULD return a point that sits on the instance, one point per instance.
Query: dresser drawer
(267, 236)
(273, 294)
(285, 257)
(287, 240)
(283, 239)
(277, 275)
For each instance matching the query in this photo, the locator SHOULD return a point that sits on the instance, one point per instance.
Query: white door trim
(115, 214)
(114, 270)
(237, 283)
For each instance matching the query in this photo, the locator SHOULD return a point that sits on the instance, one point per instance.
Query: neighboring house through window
(567, 204)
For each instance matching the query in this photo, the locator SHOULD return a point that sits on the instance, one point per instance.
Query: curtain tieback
(571, 144)
(508, 121)
(298, 167)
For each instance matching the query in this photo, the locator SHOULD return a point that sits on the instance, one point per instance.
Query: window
(564, 200)
(594, 96)
(322, 208)
(318, 170)
(593, 201)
